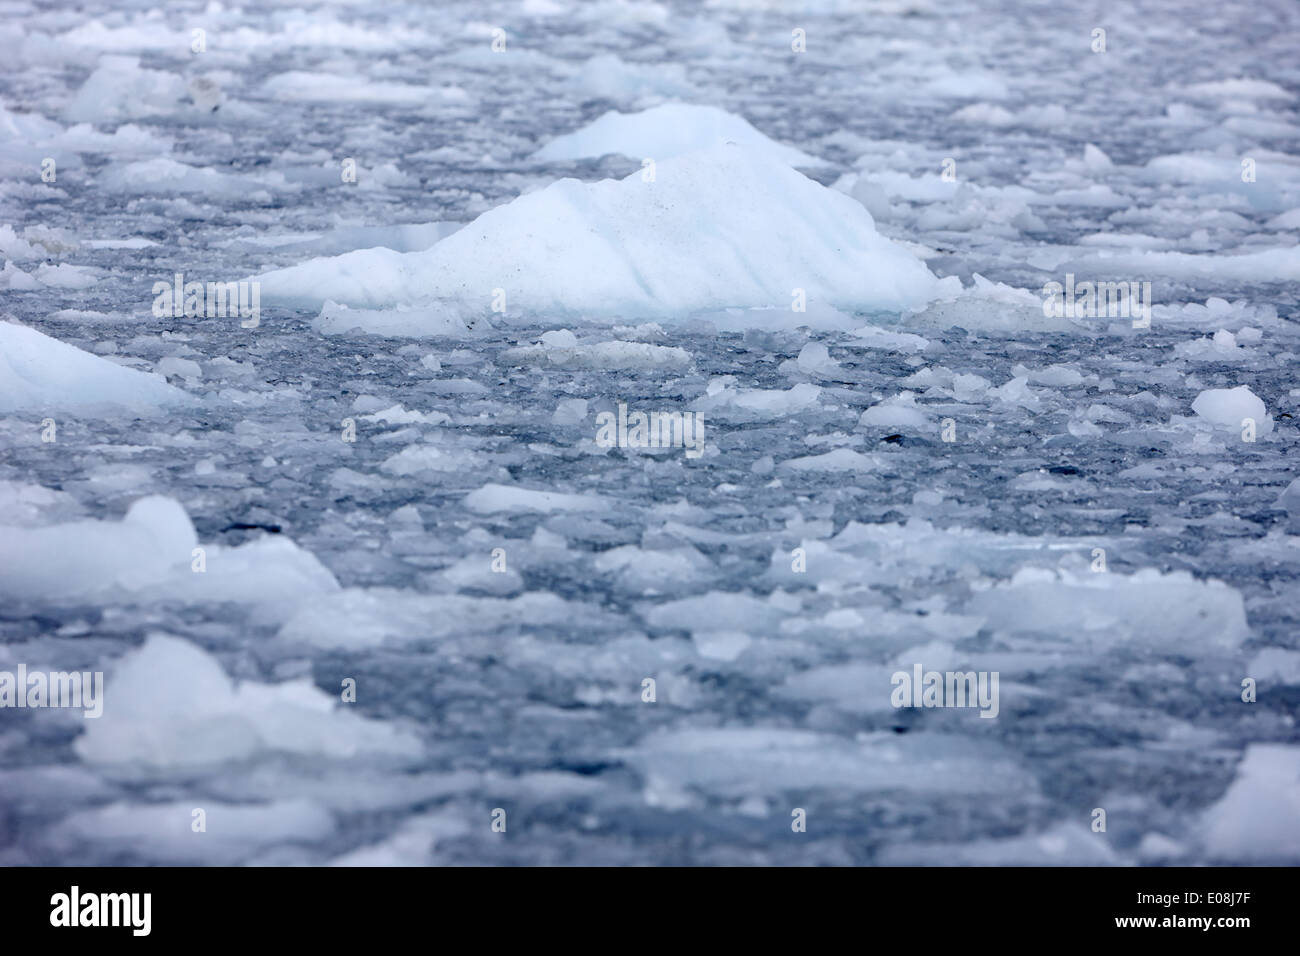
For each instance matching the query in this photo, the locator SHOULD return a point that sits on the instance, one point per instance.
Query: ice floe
(40, 374)
(716, 229)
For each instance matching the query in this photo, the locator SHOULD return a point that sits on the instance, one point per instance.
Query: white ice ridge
(42, 374)
(662, 132)
(723, 228)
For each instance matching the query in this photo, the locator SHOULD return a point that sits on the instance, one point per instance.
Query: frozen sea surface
(950, 481)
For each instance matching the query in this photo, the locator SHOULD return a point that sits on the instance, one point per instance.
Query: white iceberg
(724, 228)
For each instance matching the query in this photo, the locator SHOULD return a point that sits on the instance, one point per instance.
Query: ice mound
(661, 132)
(1258, 819)
(898, 411)
(1227, 407)
(170, 704)
(724, 228)
(722, 399)
(84, 556)
(272, 574)
(120, 90)
(1171, 612)
(42, 374)
(150, 552)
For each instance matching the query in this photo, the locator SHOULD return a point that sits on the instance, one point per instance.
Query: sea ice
(661, 132)
(43, 375)
(1258, 819)
(1228, 407)
(716, 229)
(172, 705)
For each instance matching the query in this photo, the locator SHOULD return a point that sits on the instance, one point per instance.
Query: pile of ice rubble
(719, 227)
(173, 709)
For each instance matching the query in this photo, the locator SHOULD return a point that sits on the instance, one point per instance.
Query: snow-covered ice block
(1258, 819)
(723, 400)
(494, 498)
(170, 704)
(1276, 664)
(744, 761)
(899, 411)
(840, 459)
(119, 89)
(42, 374)
(150, 553)
(661, 132)
(427, 459)
(1165, 612)
(718, 229)
(87, 556)
(1228, 407)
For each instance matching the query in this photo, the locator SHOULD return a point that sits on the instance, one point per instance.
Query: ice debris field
(337, 342)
